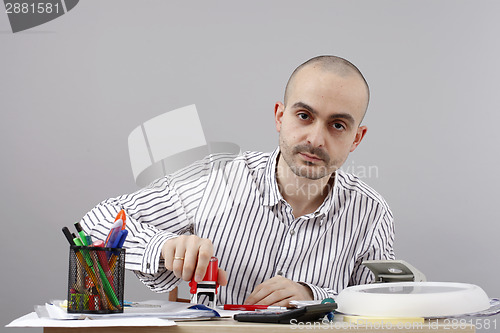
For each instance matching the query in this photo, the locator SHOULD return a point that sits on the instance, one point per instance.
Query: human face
(319, 126)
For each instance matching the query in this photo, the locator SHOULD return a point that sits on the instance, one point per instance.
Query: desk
(230, 325)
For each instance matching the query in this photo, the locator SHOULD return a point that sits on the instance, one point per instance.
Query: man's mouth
(310, 158)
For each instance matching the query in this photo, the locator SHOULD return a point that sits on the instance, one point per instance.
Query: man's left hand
(279, 291)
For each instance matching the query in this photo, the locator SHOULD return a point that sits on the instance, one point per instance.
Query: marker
(241, 307)
(68, 235)
(78, 241)
(83, 237)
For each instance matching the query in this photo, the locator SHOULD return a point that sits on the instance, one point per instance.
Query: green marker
(108, 289)
(83, 237)
(78, 242)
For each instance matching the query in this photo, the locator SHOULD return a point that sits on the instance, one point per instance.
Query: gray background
(73, 89)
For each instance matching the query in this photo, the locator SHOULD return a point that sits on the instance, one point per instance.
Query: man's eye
(303, 116)
(338, 126)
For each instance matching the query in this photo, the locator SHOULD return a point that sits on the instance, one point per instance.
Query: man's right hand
(188, 255)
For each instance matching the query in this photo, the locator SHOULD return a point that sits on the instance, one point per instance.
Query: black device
(306, 313)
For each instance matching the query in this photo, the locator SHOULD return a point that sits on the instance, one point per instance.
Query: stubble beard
(307, 169)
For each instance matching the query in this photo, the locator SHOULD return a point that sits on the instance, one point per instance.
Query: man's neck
(304, 195)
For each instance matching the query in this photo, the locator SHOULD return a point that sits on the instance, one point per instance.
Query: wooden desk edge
(229, 326)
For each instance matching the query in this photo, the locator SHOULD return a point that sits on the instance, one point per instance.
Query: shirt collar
(269, 185)
(271, 194)
(329, 202)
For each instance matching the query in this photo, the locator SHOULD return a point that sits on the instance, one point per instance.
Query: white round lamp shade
(412, 299)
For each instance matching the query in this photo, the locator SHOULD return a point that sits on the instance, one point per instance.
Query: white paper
(153, 313)
(163, 309)
(32, 320)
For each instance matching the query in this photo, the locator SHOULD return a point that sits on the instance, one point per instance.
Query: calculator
(304, 314)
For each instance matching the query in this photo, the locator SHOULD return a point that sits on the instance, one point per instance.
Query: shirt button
(280, 273)
(292, 232)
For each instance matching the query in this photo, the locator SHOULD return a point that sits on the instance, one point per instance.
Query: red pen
(241, 307)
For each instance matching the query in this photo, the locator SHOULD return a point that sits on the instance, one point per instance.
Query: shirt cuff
(152, 252)
(319, 294)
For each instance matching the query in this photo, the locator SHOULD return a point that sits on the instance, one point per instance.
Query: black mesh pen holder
(96, 280)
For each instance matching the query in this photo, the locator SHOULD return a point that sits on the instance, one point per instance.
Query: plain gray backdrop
(73, 89)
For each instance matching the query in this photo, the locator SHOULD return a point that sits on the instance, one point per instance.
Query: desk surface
(230, 325)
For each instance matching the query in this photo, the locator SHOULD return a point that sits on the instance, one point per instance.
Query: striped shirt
(234, 201)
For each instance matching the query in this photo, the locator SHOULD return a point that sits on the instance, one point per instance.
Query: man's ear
(360, 134)
(279, 110)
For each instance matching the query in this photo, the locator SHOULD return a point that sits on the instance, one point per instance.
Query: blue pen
(119, 242)
(114, 234)
(123, 235)
(116, 240)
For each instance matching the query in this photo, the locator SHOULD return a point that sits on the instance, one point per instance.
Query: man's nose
(316, 136)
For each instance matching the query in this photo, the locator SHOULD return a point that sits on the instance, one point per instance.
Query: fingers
(263, 293)
(222, 277)
(190, 256)
(205, 252)
(278, 291)
(278, 298)
(187, 256)
(167, 252)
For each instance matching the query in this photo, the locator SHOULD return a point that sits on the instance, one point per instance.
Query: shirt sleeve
(319, 293)
(381, 247)
(154, 215)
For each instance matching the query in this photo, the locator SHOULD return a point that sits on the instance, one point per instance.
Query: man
(287, 225)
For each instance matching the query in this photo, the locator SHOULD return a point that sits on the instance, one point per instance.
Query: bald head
(332, 64)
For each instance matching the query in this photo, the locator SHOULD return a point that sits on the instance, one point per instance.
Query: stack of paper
(147, 313)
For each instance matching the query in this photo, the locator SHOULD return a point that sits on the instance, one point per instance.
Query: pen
(115, 231)
(68, 235)
(114, 256)
(123, 235)
(140, 304)
(121, 216)
(238, 307)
